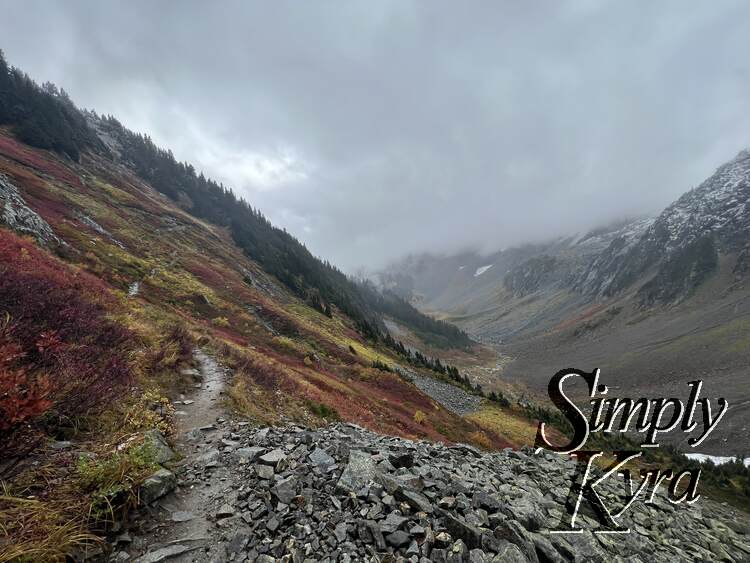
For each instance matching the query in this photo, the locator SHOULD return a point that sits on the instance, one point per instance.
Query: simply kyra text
(649, 417)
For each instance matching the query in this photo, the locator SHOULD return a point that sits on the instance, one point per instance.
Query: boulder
(248, 454)
(320, 459)
(416, 500)
(359, 472)
(459, 528)
(397, 538)
(264, 471)
(285, 490)
(156, 486)
(157, 443)
(272, 458)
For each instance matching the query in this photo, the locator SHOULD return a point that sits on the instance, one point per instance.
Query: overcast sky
(372, 129)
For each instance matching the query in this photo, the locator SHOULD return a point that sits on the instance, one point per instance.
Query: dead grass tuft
(36, 530)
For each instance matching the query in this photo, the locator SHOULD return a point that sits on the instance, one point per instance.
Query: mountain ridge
(652, 302)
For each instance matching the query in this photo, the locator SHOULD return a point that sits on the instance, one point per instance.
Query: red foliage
(38, 160)
(21, 397)
(267, 376)
(208, 273)
(59, 353)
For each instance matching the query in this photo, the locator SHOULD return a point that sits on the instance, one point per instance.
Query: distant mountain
(662, 261)
(469, 284)
(653, 302)
(682, 246)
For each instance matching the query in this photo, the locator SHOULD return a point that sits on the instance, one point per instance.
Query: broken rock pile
(342, 493)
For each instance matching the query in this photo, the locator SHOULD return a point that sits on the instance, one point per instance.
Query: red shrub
(59, 353)
(38, 160)
(267, 376)
(21, 396)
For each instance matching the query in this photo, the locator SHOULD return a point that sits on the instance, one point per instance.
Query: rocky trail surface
(178, 524)
(342, 493)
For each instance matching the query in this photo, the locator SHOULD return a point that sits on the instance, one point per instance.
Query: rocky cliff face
(20, 217)
(678, 244)
(649, 263)
(454, 282)
(342, 493)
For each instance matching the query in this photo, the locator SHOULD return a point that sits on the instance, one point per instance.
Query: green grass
(110, 482)
(323, 411)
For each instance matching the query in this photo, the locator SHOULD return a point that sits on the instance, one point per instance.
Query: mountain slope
(654, 303)
(130, 286)
(683, 243)
(109, 281)
(499, 296)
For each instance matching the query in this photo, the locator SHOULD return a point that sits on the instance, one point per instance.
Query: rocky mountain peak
(716, 211)
(718, 205)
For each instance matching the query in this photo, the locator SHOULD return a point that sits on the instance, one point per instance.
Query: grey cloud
(374, 129)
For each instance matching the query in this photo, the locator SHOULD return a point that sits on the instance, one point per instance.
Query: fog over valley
(370, 131)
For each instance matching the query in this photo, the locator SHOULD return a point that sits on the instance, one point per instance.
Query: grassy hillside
(96, 329)
(123, 262)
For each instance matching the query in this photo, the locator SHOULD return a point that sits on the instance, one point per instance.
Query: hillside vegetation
(116, 262)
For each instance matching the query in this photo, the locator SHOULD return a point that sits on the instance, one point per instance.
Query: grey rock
(272, 458)
(459, 528)
(182, 516)
(481, 499)
(156, 486)
(224, 511)
(509, 553)
(20, 217)
(414, 499)
(447, 502)
(397, 538)
(248, 454)
(403, 459)
(211, 455)
(392, 523)
(238, 542)
(285, 490)
(458, 552)
(376, 534)
(546, 550)
(165, 553)
(195, 435)
(512, 531)
(451, 397)
(478, 556)
(157, 443)
(264, 471)
(295, 510)
(359, 472)
(340, 531)
(320, 458)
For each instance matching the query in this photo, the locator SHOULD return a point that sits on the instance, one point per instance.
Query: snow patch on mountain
(482, 270)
